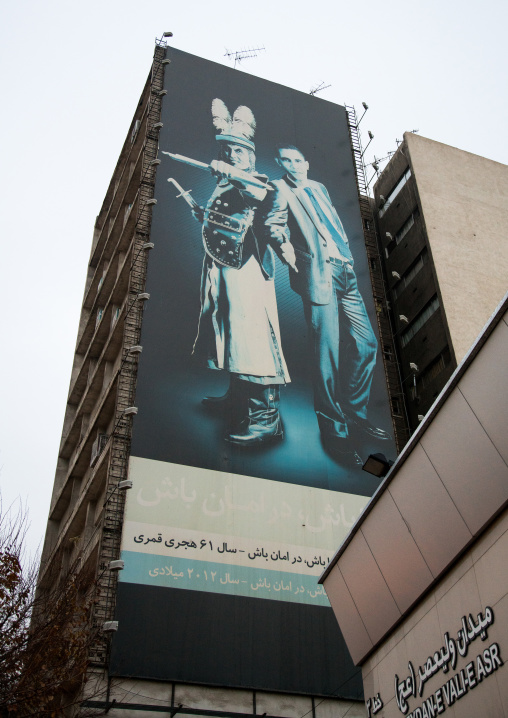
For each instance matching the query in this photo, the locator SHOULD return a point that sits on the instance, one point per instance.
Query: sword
(233, 173)
(185, 194)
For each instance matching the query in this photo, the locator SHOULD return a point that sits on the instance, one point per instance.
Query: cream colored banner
(232, 505)
(206, 530)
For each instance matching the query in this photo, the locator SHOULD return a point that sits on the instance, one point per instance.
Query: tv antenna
(239, 55)
(319, 87)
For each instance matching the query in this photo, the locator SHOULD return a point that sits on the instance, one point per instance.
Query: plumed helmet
(239, 129)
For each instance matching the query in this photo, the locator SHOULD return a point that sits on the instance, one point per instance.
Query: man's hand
(288, 255)
(221, 169)
(244, 181)
(198, 213)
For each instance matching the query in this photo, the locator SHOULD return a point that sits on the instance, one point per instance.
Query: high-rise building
(441, 214)
(205, 552)
(205, 526)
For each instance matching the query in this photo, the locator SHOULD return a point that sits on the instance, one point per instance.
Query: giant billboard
(260, 391)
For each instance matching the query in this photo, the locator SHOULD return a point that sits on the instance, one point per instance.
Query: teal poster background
(223, 545)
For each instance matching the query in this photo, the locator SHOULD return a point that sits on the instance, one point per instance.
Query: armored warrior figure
(238, 327)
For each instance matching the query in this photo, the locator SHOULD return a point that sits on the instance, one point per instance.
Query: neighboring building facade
(442, 215)
(201, 615)
(86, 510)
(427, 617)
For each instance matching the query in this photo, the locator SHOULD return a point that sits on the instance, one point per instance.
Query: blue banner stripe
(221, 578)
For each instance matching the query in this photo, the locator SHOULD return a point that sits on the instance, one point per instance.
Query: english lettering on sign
(483, 665)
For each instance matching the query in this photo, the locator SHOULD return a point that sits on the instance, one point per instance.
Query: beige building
(420, 587)
(442, 215)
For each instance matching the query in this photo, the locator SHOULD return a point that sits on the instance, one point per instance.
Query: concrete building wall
(464, 199)
(478, 580)
(131, 698)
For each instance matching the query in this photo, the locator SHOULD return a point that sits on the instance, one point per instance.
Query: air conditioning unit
(110, 626)
(97, 447)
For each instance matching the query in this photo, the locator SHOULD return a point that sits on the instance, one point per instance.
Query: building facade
(86, 511)
(427, 617)
(204, 555)
(441, 215)
(145, 486)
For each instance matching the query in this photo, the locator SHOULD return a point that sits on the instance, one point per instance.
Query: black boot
(262, 423)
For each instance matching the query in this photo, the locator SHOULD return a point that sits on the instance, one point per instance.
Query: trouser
(343, 349)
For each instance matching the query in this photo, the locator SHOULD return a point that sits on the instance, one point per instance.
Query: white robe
(241, 306)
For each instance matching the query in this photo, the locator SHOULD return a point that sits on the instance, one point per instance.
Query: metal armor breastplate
(227, 219)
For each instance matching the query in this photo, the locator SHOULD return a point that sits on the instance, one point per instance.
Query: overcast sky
(72, 74)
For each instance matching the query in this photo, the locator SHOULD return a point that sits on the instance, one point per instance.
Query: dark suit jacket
(290, 218)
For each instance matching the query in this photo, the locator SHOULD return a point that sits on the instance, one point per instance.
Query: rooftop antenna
(415, 131)
(319, 87)
(239, 55)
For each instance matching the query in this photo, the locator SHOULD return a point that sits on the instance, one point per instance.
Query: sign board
(259, 286)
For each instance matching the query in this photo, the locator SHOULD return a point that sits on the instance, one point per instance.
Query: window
(116, 314)
(433, 370)
(411, 273)
(135, 129)
(419, 321)
(98, 318)
(395, 191)
(402, 232)
(387, 352)
(406, 226)
(127, 212)
(397, 411)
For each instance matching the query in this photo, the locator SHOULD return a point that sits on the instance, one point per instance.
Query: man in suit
(312, 241)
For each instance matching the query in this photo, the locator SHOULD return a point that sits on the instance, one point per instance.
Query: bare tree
(46, 632)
